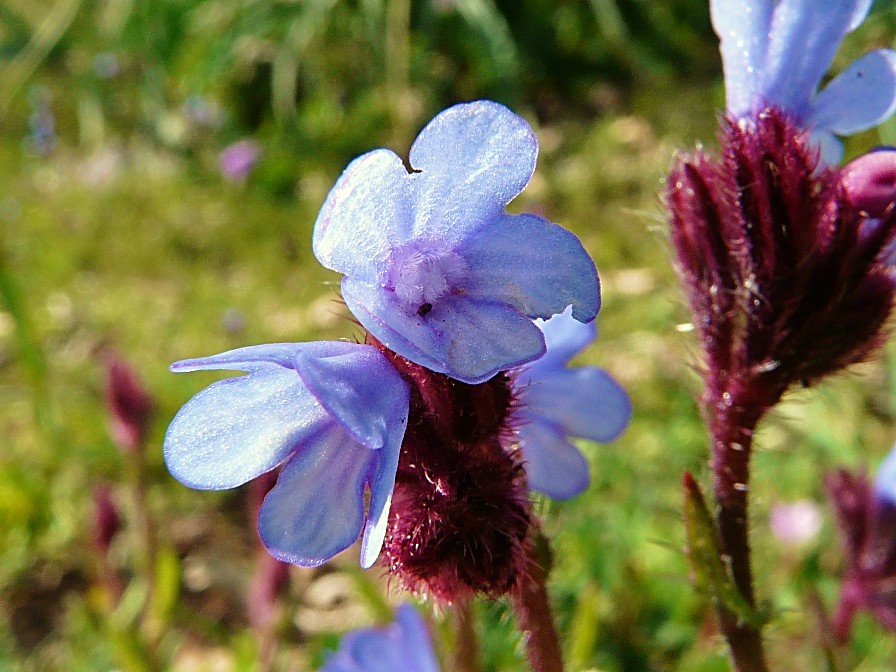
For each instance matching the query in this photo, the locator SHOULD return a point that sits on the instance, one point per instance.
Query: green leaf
(584, 628)
(710, 572)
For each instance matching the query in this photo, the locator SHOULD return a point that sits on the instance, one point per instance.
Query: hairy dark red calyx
(788, 279)
(460, 510)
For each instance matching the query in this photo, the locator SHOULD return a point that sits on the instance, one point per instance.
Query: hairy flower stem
(732, 426)
(530, 602)
(466, 658)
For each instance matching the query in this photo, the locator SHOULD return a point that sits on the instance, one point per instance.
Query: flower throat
(460, 510)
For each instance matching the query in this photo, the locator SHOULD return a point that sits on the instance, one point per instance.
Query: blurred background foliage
(125, 228)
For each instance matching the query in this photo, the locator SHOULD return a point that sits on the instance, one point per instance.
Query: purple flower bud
(129, 404)
(238, 159)
(870, 182)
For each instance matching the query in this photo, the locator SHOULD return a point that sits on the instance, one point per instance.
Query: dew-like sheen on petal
(473, 159)
(367, 212)
(743, 28)
(239, 428)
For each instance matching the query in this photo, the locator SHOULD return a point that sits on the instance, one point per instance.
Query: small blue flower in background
(554, 402)
(333, 413)
(435, 268)
(885, 481)
(776, 52)
(403, 646)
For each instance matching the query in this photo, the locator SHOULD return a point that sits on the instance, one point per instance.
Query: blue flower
(554, 402)
(332, 413)
(404, 645)
(885, 481)
(435, 268)
(776, 52)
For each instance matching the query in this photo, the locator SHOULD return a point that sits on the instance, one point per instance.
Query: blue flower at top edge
(885, 481)
(555, 402)
(776, 52)
(404, 645)
(435, 268)
(332, 413)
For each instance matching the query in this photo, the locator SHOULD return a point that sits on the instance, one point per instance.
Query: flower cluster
(423, 438)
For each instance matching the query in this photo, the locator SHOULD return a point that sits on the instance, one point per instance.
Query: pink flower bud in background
(237, 159)
(129, 404)
(795, 523)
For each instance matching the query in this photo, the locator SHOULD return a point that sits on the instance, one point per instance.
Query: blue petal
(565, 337)
(474, 159)
(358, 386)
(381, 477)
(316, 509)
(804, 36)
(885, 481)
(829, 146)
(743, 28)
(252, 358)
(403, 646)
(341, 661)
(241, 427)
(367, 212)
(554, 466)
(860, 11)
(418, 643)
(371, 650)
(585, 402)
(536, 266)
(860, 97)
(464, 338)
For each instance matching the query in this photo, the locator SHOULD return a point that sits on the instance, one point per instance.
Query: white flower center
(420, 274)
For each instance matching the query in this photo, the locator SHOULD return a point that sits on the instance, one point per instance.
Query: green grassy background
(126, 235)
